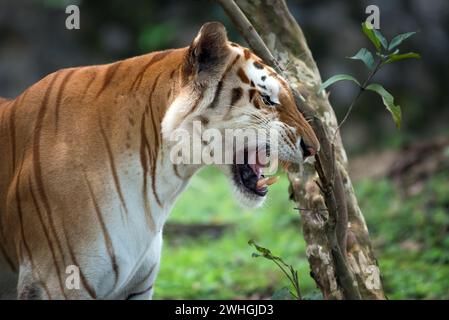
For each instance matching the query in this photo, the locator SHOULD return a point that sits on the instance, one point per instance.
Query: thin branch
(349, 110)
(248, 32)
(361, 90)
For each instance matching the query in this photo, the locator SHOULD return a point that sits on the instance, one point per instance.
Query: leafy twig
(287, 269)
(386, 53)
(359, 93)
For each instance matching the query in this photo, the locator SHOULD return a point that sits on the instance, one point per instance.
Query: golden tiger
(85, 174)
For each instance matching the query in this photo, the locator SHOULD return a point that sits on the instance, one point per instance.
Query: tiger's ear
(209, 52)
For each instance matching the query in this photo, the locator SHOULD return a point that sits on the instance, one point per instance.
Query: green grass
(222, 268)
(412, 236)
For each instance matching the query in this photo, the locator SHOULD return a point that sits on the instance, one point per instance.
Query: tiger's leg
(29, 287)
(34, 284)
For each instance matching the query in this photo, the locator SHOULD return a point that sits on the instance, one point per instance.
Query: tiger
(86, 181)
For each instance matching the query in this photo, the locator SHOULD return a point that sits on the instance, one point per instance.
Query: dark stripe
(110, 72)
(252, 92)
(146, 152)
(172, 83)
(242, 75)
(118, 188)
(106, 236)
(143, 154)
(38, 170)
(237, 94)
(220, 84)
(22, 232)
(169, 93)
(153, 88)
(72, 254)
(156, 135)
(172, 74)
(158, 56)
(216, 96)
(153, 183)
(64, 82)
(87, 86)
(144, 146)
(6, 256)
(132, 295)
(175, 169)
(247, 54)
(46, 234)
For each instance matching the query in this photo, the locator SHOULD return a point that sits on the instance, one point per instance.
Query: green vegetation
(386, 53)
(410, 236)
(208, 268)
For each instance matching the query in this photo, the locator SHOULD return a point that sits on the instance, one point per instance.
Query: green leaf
(336, 78)
(388, 101)
(369, 32)
(397, 57)
(264, 251)
(381, 39)
(366, 56)
(399, 39)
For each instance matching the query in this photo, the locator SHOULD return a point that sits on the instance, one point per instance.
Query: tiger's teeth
(261, 183)
(265, 182)
(272, 180)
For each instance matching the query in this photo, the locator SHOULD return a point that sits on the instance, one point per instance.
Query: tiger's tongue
(253, 162)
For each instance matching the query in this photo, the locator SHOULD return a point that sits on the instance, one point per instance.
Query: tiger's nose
(307, 151)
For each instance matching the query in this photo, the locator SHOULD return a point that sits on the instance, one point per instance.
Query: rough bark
(338, 246)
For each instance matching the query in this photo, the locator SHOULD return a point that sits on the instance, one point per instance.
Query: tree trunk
(286, 41)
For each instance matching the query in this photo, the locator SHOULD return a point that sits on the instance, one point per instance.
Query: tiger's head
(227, 87)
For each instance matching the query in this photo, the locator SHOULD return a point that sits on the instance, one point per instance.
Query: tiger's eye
(266, 99)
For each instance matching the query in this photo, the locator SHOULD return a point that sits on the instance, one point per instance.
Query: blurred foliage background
(401, 177)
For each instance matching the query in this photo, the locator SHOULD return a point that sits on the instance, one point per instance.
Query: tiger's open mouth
(248, 175)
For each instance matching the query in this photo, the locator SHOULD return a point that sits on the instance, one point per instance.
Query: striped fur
(85, 178)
